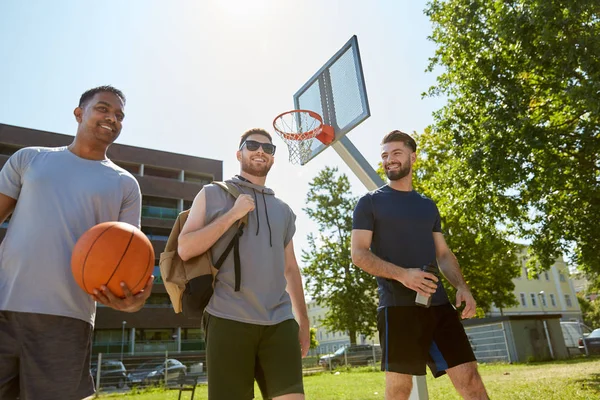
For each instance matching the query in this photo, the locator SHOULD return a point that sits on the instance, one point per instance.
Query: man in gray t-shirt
(251, 331)
(54, 196)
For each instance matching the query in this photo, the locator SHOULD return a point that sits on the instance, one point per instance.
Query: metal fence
(114, 374)
(489, 342)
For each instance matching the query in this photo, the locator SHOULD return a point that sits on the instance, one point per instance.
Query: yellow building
(551, 292)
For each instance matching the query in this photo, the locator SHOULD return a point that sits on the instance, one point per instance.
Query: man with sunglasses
(251, 333)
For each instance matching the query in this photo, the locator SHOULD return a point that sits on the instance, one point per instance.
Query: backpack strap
(235, 242)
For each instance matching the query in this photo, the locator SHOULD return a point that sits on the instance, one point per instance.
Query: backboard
(337, 92)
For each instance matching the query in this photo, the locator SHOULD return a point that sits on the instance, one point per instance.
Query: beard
(399, 174)
(260, 170)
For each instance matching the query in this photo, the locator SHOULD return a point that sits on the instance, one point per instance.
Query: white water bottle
(425, 301)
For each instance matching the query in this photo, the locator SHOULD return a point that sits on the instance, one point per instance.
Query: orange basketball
(110, 253)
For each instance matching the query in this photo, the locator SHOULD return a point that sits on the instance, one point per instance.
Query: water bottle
(425, 301)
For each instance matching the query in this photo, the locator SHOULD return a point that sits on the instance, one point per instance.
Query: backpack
(190, 284)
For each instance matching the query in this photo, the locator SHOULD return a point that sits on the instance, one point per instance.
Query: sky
(197, 74)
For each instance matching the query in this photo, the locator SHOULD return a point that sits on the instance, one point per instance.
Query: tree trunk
(352, 335)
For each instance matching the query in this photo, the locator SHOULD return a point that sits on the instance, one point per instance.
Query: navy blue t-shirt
(402, 224)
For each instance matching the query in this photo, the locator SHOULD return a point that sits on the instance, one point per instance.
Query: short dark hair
(87, 96)
(255, 131)
(399, 136)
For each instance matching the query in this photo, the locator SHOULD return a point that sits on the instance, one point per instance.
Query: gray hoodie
(262, 298)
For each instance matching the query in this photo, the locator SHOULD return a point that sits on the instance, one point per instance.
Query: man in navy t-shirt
(395, 232)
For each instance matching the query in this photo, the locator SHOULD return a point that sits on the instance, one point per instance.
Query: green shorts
(237, 353)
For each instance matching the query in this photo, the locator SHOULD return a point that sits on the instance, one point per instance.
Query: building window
(8, 149)
(562, 277)
(552, 300)
(158, 300)
(197, 178)
(523, 300)
(314, 320)
(533, 300)
(159, 207)
(543, 298)
(132, 168)
(568, 300)
(156, 273)
(161, 172)
(546, 275)
(159, 234)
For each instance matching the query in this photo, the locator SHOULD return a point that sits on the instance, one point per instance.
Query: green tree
(313, 338)
(332, 280)
(590, 311)
(487, 259)
(521, 126)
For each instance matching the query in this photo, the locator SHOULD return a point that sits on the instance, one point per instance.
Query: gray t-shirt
(262, 298)
(59, 197)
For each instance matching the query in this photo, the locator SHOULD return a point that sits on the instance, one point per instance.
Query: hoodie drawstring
(257, 219)
(267, 214)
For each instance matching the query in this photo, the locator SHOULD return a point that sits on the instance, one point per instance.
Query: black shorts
(44, 357)
(412, 337)
(237, 353)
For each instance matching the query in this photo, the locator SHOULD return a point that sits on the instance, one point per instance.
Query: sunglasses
(253, 145)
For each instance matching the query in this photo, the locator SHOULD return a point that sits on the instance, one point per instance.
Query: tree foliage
(590, 311)
(520, 132)
(487, 258)
(331, 279)
(314, 343)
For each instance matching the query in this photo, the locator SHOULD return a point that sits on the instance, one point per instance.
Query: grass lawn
(577, 379)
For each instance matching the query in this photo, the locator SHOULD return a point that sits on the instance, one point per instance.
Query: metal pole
(583, 339)
(166, 366)
(122, 338)
(506, 343)
(98, 371)
(542, 298)
(548, 338)
(346, 356)
(374, 355)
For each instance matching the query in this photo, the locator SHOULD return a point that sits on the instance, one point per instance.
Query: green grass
(576, 379)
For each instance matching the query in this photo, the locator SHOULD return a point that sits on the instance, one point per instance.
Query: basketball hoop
(298, 128)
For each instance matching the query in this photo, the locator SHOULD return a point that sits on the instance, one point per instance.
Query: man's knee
(397, 386)
(467, 381)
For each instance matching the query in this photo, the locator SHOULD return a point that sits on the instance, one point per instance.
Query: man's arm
(7, 205)
(130, 213)
(412, 278)
(451, 270)
(294, 288)
(196, 237)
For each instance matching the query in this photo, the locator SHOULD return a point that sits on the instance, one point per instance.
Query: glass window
(197, 178)
(159, 299)
(133, 168)
(546, 275)
(533, 300)
(562, 277)
(8, 149)
(523, 300)
(552, 300)
(161, 172)
(543, 298)
(568, 300)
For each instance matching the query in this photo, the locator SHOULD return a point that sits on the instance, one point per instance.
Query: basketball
(110, 253)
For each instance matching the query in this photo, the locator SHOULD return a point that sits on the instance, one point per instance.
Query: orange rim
(299, 136)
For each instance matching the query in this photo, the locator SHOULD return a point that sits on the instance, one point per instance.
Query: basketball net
(298, 129)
